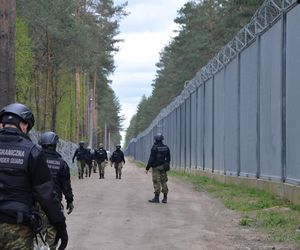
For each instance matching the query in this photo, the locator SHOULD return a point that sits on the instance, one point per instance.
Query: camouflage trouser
(159, 179)
(48, 231)
(101, 167)
(15, 237)
(94, 166)
(118, 168)
(88, 169)
(80, 166)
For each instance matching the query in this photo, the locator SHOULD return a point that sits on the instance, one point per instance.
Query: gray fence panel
(188, 132)
(173, 135)
(208, 119)
(194, 130)
(182, 135)
(270, 103)
(219, 122)
(248, 111)
(178, 138)
(232, 118)
(293, 96)
(200, 127)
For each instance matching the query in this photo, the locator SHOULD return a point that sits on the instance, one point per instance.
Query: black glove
(70, 207)
(61, 235)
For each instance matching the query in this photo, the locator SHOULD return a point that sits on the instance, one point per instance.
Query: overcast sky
(146, 31)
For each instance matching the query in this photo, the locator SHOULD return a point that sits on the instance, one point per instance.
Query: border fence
(240, 114)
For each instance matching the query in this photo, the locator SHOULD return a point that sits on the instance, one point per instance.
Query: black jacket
(160, 154)
(117, 156)
(60, 172)
(80, 153)
(25, 179)
(100, 155)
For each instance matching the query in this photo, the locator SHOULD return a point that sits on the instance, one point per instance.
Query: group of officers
(88, 159)
(34, 178)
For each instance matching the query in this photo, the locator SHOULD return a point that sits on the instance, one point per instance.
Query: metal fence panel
(270, 103)
(248, 109)
(293, 96)
(178, 138)
(194, 130)
(232, 117)
(208, 119)
(182, 135)
(219, 122)
(188, 132)
(200, 127)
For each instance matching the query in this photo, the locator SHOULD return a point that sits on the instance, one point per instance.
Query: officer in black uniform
(60, 172)
(80, 154)
(117, 159)
(101, 159)
(159, 161)
(24, 180)
(89, 156)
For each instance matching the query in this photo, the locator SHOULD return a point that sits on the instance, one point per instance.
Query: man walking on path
(101, 159)
(159, 161)
(60, 173)
(117, 159)
(80, 154)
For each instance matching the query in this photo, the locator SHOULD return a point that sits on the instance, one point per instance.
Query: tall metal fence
(240, 114)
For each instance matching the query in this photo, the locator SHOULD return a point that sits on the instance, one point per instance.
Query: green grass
(259, 209)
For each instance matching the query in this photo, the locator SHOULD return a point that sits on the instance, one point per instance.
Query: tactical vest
(117, 156)
(15, 187)
(161, 154)
(55, 163)
(100, 155)
(81, 154)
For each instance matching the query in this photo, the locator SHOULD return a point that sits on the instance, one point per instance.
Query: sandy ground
(115, 214)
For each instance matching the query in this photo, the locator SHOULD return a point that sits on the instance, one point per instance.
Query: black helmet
(81, 143)
(18, 110)
(158, 137)
(49, 139)
(118, 146)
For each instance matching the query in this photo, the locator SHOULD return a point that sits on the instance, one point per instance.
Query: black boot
(119, 176)
(165, 199)
(155, 199)
(102, 176)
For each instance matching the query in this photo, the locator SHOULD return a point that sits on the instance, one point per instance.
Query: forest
(64, 57)
(205, 26)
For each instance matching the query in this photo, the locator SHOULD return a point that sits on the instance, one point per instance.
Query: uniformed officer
(24, 179)
(80, 154)
(89, 161)
(60, 172)
(117, 159)
(101, 159)
(159, 161)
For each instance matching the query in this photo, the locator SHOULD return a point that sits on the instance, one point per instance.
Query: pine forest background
(65, 57)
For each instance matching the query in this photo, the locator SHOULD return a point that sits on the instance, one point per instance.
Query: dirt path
(115, 214)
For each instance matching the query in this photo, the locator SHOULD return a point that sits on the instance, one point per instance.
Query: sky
(145, 31)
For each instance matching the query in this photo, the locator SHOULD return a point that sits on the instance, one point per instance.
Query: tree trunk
(77, 80)
(47, 89)
(71, 120)
(7, 52)
(95, 110)
(84, 106)
(37, 99)
(54, 83)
